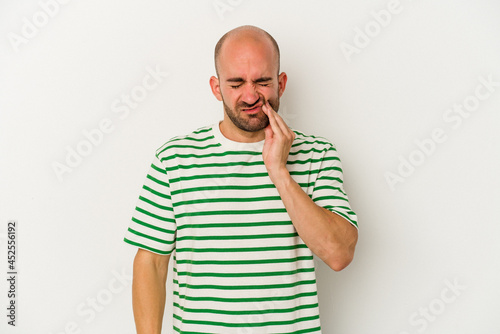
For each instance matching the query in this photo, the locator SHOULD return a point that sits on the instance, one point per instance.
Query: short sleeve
(329, 190)
(153, 224)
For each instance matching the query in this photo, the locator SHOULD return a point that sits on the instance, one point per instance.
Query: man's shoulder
(302, 139)
(196, 139)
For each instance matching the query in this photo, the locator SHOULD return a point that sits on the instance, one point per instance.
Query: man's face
(248, 77)
(250, 117)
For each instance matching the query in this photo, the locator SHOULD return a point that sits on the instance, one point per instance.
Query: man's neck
(232, 132)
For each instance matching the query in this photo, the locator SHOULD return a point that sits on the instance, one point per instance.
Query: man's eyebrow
(235, 80)
(238, 79)
(263, 79)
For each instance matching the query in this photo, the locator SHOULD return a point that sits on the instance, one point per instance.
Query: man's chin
(251, 121)
(253, 124)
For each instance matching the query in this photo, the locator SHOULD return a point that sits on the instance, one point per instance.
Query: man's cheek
(275, 103)
(262, 97)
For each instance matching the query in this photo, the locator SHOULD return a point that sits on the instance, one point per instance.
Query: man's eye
(234, 87)
(265, 85)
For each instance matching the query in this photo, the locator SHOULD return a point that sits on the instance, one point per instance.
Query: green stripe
(245, 262)
(250, 187)
(300, 331)
(203, 130)
(254, 324)
(163, 241)
(192, 138)
(305, 141)
(306, 330)
(230, 212)
(240, 163)
(305, 172)
(215, 164)
(146, 247)
(238, 250)
(240, 175)
(140, 222)
(209, 155)
(302, 162)
(343, 207)
(332, 208)
(171, 143)
(188, 146)
(302, 134)
(246, 312)
(214, 176)
(237, 237)
(158, 181)
(330, 197)
(242, 287)
(330, 188)
(335, 208)
(165, 219)
(230, 225)
(228, 199)
(307, 151)
(157, 193)
(158, 169)
(162, 207)
(331, 168)
(248, 163)
(246, 299)
(248, 274)
(330, 178)
(184, 332)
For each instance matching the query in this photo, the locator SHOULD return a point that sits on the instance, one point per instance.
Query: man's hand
(278, 141)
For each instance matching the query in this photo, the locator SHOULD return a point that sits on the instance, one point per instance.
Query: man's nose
(250, 95)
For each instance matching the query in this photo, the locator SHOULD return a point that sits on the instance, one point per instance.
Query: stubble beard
(250, 122)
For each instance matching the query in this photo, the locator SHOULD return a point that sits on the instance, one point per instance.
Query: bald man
(243, 205)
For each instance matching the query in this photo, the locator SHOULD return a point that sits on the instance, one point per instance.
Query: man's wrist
(281, 178)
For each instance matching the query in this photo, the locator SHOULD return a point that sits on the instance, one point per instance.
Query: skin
(248, 76)
(250, 88)
(148, 291)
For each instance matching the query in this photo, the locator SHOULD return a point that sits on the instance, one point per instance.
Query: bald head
(245, 34)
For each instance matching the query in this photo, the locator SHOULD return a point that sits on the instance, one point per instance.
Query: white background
(436, 226)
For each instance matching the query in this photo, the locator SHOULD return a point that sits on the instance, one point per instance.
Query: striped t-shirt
(239, 264)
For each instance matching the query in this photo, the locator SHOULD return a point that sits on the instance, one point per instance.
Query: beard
(250, 122)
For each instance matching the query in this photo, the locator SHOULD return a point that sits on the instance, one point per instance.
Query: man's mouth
(252, 110)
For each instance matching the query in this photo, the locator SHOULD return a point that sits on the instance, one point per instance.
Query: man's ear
(215, 85)
(282, 78)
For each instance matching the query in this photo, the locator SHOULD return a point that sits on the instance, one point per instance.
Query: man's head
(247, 66)
(249, 31)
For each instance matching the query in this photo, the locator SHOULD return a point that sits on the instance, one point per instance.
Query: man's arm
(328, 235)
(148, 291)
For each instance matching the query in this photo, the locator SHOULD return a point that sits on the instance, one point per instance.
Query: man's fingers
(268, 132)
(271, 114)
(284, 128)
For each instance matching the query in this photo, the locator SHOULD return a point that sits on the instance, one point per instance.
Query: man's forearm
(328, 235)
(148, 294)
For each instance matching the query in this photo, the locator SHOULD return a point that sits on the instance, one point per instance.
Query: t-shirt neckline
(234, 145)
